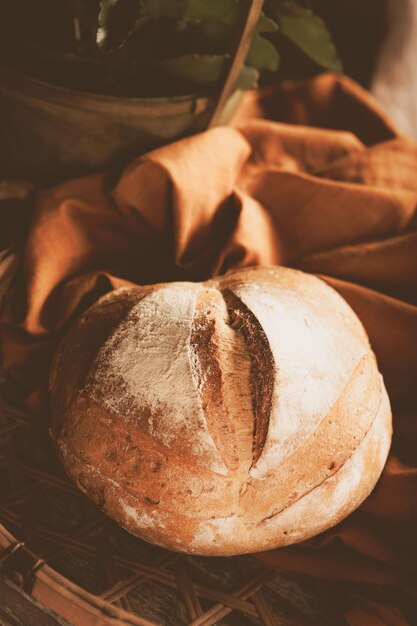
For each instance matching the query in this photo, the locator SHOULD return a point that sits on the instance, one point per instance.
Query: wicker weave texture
(60, 548)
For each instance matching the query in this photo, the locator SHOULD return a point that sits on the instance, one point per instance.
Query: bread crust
(232, 416)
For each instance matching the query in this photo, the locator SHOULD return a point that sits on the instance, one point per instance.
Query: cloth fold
(337, 198)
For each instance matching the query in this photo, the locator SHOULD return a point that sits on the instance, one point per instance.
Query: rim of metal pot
(249, 18)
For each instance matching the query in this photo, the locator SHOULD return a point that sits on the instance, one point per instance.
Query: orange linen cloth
(334, 193)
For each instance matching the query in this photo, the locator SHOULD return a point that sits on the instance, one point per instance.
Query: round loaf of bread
(231, 416)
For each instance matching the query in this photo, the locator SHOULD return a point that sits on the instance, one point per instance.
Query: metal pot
(50, 133)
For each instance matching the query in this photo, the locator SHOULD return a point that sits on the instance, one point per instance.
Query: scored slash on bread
(262, 368)
(231, 416)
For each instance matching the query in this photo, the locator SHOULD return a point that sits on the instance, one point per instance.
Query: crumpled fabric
(311, 175)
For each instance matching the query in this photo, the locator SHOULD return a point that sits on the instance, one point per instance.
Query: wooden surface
(19, 609)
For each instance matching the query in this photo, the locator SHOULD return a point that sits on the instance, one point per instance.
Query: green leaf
(248, 78)
(195, 68)
(106, 7)
(162, 8)
(117, 18)
(262, 54)
(307, 31)
(225, 11)
(266, 24)
(200, 32)
(207, 69)
(215, 33)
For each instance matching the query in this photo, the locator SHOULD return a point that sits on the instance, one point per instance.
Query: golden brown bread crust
(225, 417)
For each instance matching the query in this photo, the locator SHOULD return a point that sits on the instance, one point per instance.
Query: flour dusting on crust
(162, 431)
(306, 342)
(144, 373)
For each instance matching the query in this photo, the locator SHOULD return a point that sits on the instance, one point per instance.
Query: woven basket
(63, 551)
(58, 547)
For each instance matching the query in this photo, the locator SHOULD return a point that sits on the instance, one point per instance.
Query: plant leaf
(307, 31)
(130, 29)
(162, 8)
(116, 20)
(225, 11)
(248, 78)
(105, 9)
(206, 70)
(220, 32)
(262, 54)
(195, 68)
(216, 31)
(266, 24)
